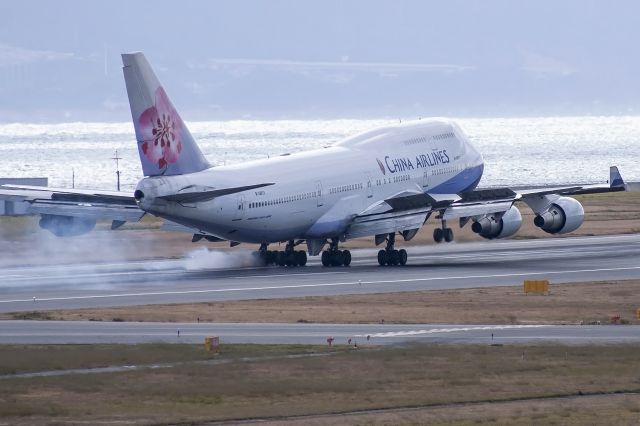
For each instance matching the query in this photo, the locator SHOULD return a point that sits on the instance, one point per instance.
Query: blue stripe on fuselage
(466, 180)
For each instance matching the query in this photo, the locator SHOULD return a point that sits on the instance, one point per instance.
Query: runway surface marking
(450, 330)
(150, 272)
(244, 277)
(284, 287)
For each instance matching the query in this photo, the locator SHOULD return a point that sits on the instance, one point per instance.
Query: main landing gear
(390, 256)
(288, 257)
(443, 233)
(335, 257)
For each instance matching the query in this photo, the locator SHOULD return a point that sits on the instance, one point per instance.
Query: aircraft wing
(409, 210)
(86, 204)
(498, 200)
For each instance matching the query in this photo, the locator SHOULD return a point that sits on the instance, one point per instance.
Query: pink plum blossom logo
(161, 128)
(382, 169)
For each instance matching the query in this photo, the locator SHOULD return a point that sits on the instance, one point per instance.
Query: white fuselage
(316, 193)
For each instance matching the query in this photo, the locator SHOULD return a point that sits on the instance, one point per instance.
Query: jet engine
(496, 226)
(564, 215)
(66, 226)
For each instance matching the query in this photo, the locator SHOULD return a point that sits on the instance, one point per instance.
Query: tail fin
(615, 178)
(165, 145)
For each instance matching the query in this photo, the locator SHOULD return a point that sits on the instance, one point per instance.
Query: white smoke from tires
(203, 259)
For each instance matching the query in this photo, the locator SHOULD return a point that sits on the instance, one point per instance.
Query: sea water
(517, 151)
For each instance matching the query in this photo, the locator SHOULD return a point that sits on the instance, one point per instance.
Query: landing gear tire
(336, 258)
(301, 257)
(402, 254)
(290, 259)
(448, 234)
(382, 257)
(326, 258)
(270, 257)
(346, 258)
(394, 257)
(438, 235)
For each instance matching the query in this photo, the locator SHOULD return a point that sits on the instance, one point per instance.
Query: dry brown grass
(23, 242)
(566, 304)
(17, 359)
(619, 409)
(413, 376)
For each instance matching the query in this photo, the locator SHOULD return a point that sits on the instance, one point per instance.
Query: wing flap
(385, 223)
(468, 210)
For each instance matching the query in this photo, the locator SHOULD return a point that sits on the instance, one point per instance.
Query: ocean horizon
(517, 151)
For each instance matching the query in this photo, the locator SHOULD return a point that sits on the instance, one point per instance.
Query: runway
(88, 332)
(445, 266)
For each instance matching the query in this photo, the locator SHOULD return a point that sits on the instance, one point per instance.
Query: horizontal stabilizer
(200, 196)
(80, 203)
(111, 195)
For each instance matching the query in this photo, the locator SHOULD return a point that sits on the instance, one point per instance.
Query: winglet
(615, 178)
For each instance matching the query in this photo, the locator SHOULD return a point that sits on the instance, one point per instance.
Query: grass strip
(349, 381)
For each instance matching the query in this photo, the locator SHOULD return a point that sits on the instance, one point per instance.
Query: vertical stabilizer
(615, 178)
(165, 145)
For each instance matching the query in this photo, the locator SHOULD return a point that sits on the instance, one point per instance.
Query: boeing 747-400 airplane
(384, 183)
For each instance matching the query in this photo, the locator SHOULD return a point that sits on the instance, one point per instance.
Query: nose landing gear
(334, 256)
(390, 256)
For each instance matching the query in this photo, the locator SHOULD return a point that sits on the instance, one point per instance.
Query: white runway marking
(408, 333)
(292, 274)
(348, 283)
(153, 272)
(494, 255)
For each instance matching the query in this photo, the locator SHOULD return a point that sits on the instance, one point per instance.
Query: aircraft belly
(336, 219)
(271, 226)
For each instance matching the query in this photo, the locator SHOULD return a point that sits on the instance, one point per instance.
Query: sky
(60, 60)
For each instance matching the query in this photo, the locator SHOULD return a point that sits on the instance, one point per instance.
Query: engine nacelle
(493, 226)
(564, 215)
(66, 226)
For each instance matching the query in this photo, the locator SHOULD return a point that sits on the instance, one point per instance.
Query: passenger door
(369, 186)
(240, 208)
(319, 195)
